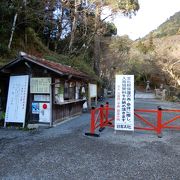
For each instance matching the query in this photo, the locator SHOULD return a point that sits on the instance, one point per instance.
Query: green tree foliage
(121, 45)
(30, 14)
(142, 47)
(114, 57)
(110, 29)
(146, 46)
(86, 26)
(127, 7)
(178, 33)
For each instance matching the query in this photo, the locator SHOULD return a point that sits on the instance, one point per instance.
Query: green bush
(3, 49)
(2, 115)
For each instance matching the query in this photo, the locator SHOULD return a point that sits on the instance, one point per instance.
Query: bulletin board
(40, 85)
(40, 89)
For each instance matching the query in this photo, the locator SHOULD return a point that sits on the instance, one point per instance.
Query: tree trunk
(97, 54)
(25, 27)
(12, 31)
(74, 25)
(59, 32)
(97, 41)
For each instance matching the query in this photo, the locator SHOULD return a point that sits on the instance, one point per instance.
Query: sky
(152, 13)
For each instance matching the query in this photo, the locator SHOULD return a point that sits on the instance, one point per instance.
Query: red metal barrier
(100, 119)
(164, 125)
(160, 125)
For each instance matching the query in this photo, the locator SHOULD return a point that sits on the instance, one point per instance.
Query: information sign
(124, 102)
(17, 99)
(92, 90)
(44, 115)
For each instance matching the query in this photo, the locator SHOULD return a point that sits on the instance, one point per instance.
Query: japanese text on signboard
(124, 102)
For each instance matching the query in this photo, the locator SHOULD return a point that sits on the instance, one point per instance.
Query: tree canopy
(70, 27)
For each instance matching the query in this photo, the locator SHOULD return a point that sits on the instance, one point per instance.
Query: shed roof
(51, 65)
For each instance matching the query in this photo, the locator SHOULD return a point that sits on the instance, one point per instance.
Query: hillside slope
(168, 28)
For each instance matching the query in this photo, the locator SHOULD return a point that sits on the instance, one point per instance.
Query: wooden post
(51, 106)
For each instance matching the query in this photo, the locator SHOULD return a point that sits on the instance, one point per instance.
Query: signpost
(124, 102)
(17, 99)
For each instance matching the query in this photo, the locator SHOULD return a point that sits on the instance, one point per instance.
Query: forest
(72, 32)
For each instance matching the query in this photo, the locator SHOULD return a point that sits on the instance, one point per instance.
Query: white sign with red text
(124, 103)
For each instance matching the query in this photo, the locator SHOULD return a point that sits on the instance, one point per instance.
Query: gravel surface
(65, 153)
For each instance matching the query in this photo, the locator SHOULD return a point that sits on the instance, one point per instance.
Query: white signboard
(92, 90)
(17, 99)
(40, 85)
(42, 97)
(44, 112)
(124, 103)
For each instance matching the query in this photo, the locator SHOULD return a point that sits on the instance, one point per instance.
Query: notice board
(92, 90)
(17, 99)
(124, 102)
(40, 85)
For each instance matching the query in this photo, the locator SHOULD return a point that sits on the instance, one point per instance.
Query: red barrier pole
(101, 116)
(92, 124)
(107, 112)
(92, 127)
(159, 122)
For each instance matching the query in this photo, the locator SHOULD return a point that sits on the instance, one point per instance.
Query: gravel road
(65, 153)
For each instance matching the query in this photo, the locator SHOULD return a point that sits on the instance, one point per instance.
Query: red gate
(100, 119)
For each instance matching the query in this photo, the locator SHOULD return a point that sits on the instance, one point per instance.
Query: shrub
(3, 49)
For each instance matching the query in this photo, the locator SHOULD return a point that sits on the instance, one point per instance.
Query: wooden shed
(47, 92)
